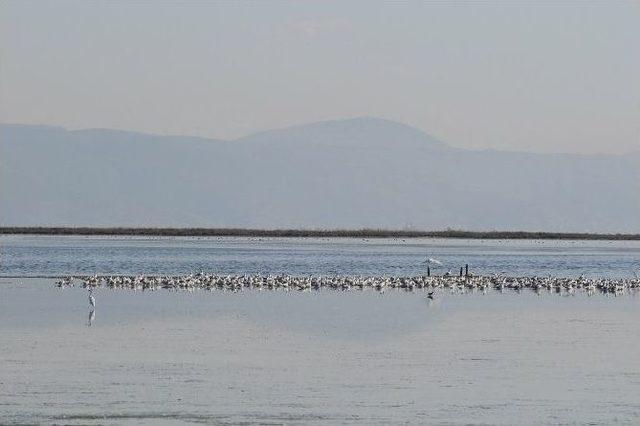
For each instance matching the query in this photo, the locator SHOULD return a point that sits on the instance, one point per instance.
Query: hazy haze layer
(523, 76)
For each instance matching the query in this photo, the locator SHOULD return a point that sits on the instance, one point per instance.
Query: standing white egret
(92, 300)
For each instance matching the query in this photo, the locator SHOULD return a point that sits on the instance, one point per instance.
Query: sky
(527, 76)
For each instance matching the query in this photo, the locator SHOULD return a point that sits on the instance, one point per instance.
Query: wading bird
(432, 261)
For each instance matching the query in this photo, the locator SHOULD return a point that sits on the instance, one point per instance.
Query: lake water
(23, 256)
(325, 357)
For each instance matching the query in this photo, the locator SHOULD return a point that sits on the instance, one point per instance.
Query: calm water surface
(43, 256)
(327, 357)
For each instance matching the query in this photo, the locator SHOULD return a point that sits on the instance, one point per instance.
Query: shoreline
(315, 233)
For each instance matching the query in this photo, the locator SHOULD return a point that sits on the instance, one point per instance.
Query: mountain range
(351, 173)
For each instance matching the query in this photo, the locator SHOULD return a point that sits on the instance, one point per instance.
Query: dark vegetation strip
(336, 233)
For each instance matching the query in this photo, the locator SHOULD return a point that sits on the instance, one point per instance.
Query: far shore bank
(314, 233)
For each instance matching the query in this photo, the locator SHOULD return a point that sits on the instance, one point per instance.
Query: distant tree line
(335, 233)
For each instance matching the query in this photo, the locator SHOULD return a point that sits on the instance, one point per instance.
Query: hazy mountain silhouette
(363, 172)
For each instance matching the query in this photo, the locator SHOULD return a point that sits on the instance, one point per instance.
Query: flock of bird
(464, 283)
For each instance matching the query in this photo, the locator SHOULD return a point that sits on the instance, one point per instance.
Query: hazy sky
(546, 77)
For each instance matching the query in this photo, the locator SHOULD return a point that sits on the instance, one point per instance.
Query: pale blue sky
(534, 76)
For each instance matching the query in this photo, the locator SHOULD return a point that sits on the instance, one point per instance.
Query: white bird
(92, 300)
(432, 261)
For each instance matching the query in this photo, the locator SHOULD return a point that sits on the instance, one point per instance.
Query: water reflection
(92, 317)
(348, 357)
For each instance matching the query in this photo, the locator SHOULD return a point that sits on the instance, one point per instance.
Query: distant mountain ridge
(363, 132)
(352, 173)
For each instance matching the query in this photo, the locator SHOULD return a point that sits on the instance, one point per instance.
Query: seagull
(92, 300)
(432, 261)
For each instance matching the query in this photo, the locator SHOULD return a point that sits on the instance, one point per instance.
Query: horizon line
(312, 233)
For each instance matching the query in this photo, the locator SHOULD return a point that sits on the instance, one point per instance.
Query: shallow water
(316, 357)
(325, 357)
(51, 255)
